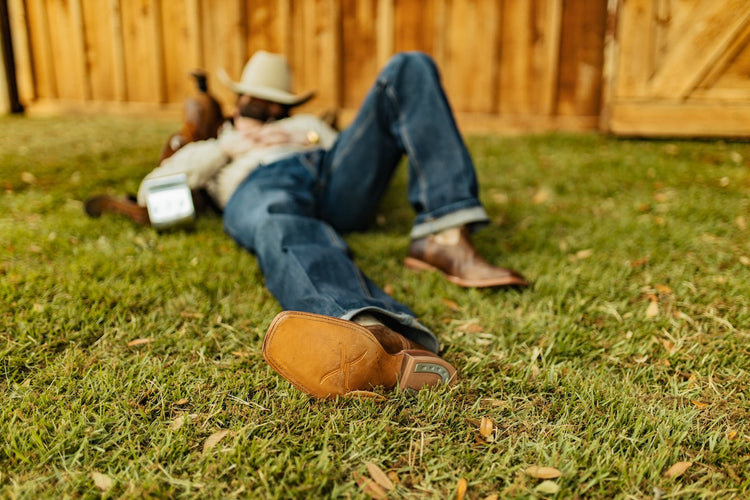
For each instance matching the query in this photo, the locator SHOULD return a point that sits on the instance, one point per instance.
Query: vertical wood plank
(118, 49)
(160, 82)
(81, 45)
(286, 28)
(336, 51)
(179, 31)
(139, 19)
(22, 51)
(516, 40)
(441, 25)
(99, 37)
(315, 61)
(264, 31)
(225, 46)
(194, 25)
(4, 77)
(414, 25)
(551, 24)
(65, 40)
(41, 52)
(469, 63)
(662, 21)
(361, 43)
(610, 65)
(307, 52)
(581, 59)
(385, 30)
(635, 23)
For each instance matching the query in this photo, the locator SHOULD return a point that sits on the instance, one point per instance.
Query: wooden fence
(506, 64)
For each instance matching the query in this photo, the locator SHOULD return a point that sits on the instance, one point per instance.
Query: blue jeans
(290, 213)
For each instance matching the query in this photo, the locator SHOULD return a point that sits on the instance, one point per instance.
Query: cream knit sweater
(220, 165)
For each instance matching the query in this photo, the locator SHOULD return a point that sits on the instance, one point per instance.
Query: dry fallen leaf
(374, 396)
(540, 472)
(471, 328)
(652, 310)
(668, 346)
(677, 469)
(487, 429)
(136, 342)
(451, 304)
(548, 487)
(181, 402)
(541, 196)
(639, 262)
(499, 197)
(101, 481)
(380, 477)
(28, 177)
(370, 487)
(178, 422)
(663, 289)
(461, 488)
(212, 440)
(584, 254)
(193, 315)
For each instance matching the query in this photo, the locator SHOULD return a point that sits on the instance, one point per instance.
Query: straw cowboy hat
(267, 76)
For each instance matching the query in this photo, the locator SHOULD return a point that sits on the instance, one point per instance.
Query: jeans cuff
(465, 216)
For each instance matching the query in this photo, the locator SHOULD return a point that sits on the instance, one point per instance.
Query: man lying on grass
(290, 185)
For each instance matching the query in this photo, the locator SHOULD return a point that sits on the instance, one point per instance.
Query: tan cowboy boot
(327, 357)
(452, 253)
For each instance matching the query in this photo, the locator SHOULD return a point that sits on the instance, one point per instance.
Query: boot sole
(420, 265)
(327, 357)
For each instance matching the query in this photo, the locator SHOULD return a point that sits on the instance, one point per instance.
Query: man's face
(260, 109)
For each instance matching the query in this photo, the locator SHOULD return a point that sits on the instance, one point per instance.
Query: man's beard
(261, 112)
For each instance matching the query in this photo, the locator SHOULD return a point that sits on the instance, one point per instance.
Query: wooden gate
(678, 68)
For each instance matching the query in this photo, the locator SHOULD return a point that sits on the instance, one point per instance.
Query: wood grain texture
(539, 59)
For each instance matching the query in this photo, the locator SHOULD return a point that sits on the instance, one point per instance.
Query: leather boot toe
(452, 253)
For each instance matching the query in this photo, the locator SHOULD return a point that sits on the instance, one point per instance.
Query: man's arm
(199, 161)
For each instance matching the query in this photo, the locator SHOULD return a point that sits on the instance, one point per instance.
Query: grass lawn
(130, 360)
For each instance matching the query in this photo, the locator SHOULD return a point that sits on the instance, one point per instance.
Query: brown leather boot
(97, 205)
(452, 253)
(327, 357)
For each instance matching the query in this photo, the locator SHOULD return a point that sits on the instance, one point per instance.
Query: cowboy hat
(266, 76)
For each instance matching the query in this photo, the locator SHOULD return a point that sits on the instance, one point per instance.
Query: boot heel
(421, 369)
